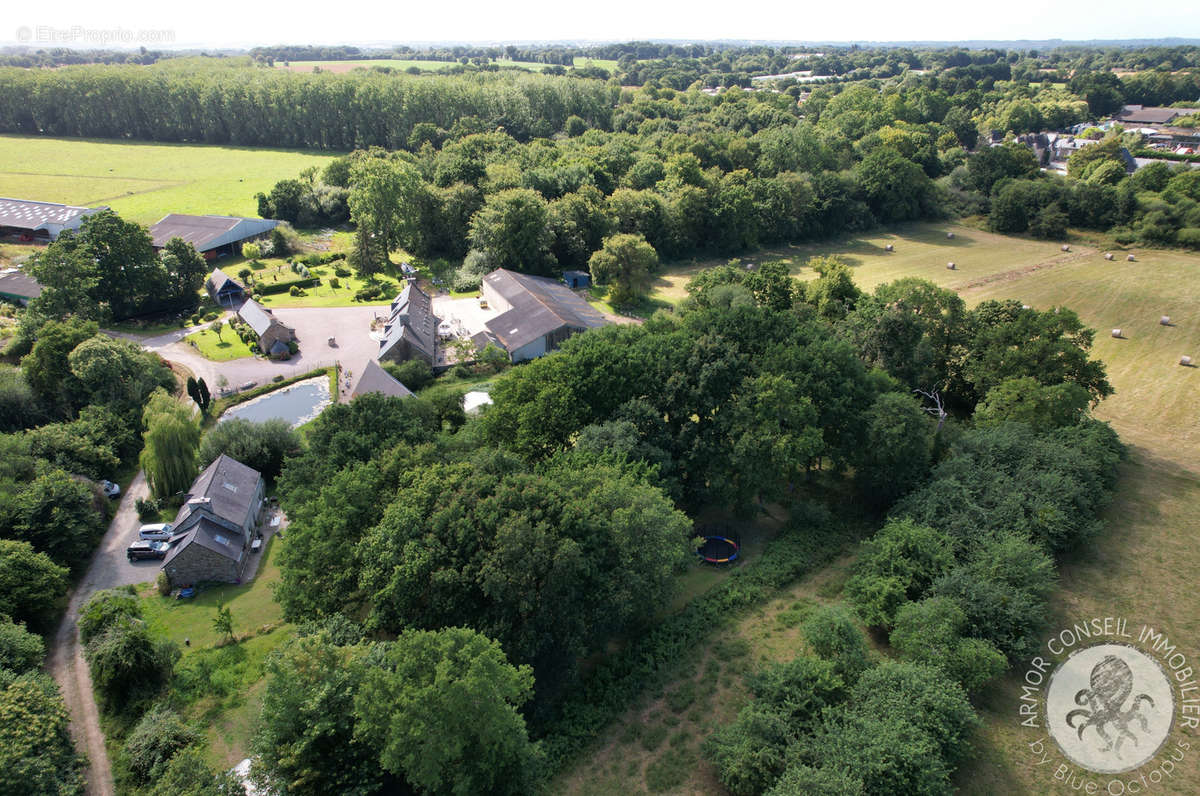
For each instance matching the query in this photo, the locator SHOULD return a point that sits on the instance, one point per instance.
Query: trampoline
(718, 550)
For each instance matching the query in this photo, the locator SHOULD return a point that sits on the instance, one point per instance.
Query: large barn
(40, 221)
(217, 523)
(18, 287)
(536, 314)
(212, 236)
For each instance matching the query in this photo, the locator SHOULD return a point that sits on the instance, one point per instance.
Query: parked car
(248, 386)
(157, 532)
(144, 548)
(111, 489)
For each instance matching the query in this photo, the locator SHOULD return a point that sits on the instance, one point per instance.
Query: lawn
(324, 294)
(221, 687)
(1142, 567)
(221, 348)
(145, 181)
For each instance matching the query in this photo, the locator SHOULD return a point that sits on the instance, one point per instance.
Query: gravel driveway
(108, 568)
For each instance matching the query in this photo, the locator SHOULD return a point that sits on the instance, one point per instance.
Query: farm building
(374, 378)
(224, 289)
(212, 236)
(411, 330)
(33, 221)
(273, 334)
(536, 314)
(18, 287)
(1143, 114)
(216, 524)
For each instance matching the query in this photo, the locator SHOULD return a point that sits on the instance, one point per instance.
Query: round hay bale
(1130, 258)
(1185, 361)
(1066, 248)
(949, 236)
(951, 266)
(887, 248)
(1117, 333)
(1165, 320)
(1108, 255)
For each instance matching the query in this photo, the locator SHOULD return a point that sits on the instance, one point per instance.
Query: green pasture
(145, 181)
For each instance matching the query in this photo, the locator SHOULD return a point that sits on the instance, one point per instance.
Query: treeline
(68, 56)
(263, 107)
(1155, 206)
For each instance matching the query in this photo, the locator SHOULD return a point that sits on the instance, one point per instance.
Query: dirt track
(65, 662)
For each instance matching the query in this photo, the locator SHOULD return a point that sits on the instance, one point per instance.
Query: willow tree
(171, 440)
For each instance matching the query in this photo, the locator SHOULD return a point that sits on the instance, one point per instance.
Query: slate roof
(32, 215)
(374, 378)
(211, 535)
(256, 316)
(412, 319)
(227, 488)
(17, 283)
(539, 306)
(218, 279)
(208, 232)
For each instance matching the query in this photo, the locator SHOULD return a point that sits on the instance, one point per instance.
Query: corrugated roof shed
(208, 232)
(33, 216)
(374, 378)
(19, 285)
(539, 307)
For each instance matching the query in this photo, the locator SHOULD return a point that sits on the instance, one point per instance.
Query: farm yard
(1141, 566)
(145, 181)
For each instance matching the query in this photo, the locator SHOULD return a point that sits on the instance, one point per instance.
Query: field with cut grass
(145, 181)
(219, 348)
(221, 687)
(1142, 567)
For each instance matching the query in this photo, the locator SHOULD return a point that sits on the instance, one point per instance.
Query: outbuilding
(212, 236)
(31, 220)
(18, 287)
(536, 314)
(224, 289)
(273, 335)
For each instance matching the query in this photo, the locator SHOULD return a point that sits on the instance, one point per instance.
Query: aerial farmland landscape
(507, 402)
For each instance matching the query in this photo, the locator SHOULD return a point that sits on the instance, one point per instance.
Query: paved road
(349, 326)
(108, 568)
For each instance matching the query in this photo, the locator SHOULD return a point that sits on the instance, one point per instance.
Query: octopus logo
(1110, 708)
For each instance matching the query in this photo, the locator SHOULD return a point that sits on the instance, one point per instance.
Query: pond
(297, 403)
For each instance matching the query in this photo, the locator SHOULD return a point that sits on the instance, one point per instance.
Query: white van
(158, 532)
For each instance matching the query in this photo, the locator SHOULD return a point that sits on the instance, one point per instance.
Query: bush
(262, 446)
(802, 780)
(341, 271)
(162, 583)
(334, 283)
(752, 752)
(155, 740)
(20, 650)
(800, 690)
(105, 608)
(898, 564)
(833, 636)
(128, 664)
(147, 508)
(415, 374)
(210, 316)
(369, 292)
(931, 632)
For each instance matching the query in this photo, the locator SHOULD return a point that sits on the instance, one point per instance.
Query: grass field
(145, 181)
(1141, 568)
(228, 694)
(220, 348)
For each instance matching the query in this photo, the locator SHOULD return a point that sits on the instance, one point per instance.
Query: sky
(237, 23)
